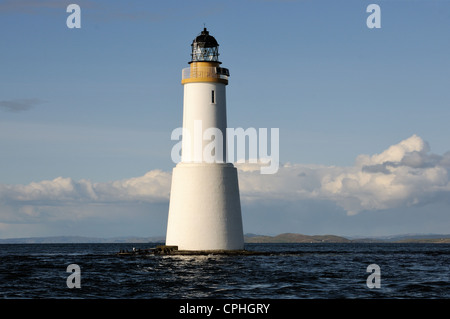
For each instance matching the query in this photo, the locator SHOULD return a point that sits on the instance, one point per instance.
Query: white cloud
(153, 186)
(135, 206)
(405, 174)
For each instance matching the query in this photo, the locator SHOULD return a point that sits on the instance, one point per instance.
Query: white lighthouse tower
(205, 208)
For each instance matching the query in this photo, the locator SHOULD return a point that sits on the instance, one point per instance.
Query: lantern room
(205, 48)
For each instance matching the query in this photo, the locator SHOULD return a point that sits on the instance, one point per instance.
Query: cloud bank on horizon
(404, 175)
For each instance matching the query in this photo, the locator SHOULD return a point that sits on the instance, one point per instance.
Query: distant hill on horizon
(249, 238)
(81, 240)
(297, 238)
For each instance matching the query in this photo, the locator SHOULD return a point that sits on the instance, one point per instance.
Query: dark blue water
(313, 271)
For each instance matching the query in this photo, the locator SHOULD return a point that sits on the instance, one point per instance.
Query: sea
(290, 271)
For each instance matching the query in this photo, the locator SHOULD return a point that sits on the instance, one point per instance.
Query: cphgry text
(228, 308)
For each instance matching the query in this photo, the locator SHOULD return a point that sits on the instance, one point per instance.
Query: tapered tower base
(205, 209)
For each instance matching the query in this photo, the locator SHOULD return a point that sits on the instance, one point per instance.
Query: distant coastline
(249, 238)
(299, 238)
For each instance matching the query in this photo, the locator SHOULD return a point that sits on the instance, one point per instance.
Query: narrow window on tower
(213, 97)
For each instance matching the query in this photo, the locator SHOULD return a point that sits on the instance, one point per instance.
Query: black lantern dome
(205, 48)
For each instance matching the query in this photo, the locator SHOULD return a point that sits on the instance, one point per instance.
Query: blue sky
(86, 114)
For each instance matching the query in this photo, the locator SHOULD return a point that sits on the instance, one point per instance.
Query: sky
(86, 114)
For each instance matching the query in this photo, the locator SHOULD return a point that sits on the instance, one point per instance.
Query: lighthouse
(205, 208)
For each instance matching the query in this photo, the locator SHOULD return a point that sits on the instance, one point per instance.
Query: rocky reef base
(173, 250)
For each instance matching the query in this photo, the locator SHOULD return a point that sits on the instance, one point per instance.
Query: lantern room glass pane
(205, 54)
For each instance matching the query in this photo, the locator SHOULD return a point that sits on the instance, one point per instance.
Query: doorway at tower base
(205, 208)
